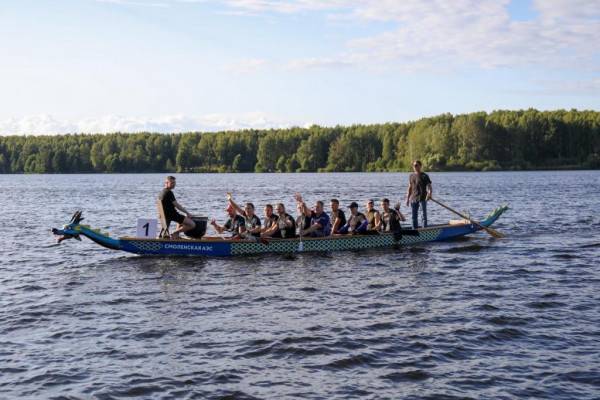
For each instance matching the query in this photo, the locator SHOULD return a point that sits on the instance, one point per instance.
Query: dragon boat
(220, 247)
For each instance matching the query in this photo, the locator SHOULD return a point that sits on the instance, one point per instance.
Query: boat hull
(218, 247)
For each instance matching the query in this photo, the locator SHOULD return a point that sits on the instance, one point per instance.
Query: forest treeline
(501, 140)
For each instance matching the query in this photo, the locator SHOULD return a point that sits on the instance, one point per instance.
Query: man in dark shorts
(170, 207)
(418, 192)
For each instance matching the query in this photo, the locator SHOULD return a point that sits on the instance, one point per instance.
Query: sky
(95, 66)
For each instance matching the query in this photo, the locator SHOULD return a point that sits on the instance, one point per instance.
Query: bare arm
(270, 231)
(408, 190)
(217, 227)
(305, 209)
(256, 229)
(233, 204)
(336, 225)
(312, 228)
(378, 222)
(182, 209)
(401, 216)
(237, 208)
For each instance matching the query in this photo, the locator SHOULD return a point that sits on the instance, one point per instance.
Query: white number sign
(146, 228)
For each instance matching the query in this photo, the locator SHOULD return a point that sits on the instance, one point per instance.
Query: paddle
(491, 231)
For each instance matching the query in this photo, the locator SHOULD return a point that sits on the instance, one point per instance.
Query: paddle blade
(494, 232)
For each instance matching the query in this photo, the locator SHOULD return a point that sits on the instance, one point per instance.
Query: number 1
(147, 226)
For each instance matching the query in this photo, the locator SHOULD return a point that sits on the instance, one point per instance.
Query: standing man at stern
(418, 192)
(170, 207)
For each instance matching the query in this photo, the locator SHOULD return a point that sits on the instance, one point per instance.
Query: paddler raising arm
(235, 224)
(251, 220)
(320, 224)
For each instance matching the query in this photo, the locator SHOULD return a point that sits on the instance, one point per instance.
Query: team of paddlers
(243, 223)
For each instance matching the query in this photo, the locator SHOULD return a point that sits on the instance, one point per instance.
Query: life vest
(355, 220)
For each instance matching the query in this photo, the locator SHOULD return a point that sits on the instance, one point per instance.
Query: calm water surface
(476, 318)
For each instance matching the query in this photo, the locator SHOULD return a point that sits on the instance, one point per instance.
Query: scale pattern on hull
(334, 244)
(147, 246)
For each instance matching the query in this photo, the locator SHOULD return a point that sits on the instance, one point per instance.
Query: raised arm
(233, 204)
(305, 209)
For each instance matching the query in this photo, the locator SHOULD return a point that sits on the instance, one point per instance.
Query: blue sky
(179, 65)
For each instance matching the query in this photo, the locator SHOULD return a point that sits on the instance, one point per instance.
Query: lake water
(475, 318)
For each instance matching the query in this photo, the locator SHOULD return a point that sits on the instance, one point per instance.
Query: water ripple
(475, 318)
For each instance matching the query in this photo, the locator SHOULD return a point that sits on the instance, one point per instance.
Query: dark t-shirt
(303, 222)
(269, 221)
(419, 184)
(390, 220)
(252, 223)
(284, 230)
(233, 224)
(341, 216)
(167, 198)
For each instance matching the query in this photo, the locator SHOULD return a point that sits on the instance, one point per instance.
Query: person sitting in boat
(373, 216)
(170, 207)
(251, 220)
(338, 218)
(357, 221)
(284, 228)
(320, 224)
(235, 224)
(302, 220)
(390, 218)
(270, 219)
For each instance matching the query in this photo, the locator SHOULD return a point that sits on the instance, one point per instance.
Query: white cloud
(439, 34)
(287, 7)
(442, 34)
(49, 125)
(314, 63)
(246, 65)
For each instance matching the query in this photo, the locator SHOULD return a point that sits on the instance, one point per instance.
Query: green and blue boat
(221, 247)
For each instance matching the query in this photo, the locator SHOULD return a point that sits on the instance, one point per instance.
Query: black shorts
(176, 217)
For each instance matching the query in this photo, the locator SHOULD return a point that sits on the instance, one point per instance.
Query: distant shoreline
(523, 140)
(300, 173)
